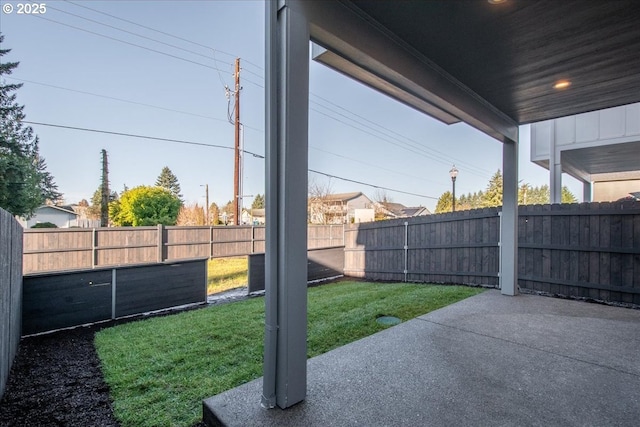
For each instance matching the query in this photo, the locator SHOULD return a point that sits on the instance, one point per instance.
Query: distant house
(388, 210)
(61, 216)
(252, 217)
(340, 208)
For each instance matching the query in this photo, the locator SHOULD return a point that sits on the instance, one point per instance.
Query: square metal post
(287, 128)
(509, 229)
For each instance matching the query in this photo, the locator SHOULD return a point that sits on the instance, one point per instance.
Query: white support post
(555, 168)
(509, 220)
(586, 191)
(287, 99)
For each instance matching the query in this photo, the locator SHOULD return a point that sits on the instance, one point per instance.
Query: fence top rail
(111, 267)
(434, 218)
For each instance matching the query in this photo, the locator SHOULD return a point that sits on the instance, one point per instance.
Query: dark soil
(56, 381)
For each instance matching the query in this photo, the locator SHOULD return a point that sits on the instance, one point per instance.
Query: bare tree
(191, 215)
(318, 204)
(381, 196)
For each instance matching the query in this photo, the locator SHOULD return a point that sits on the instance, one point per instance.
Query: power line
(418, 144)
(374, 166)
(131, 135)
(127, 101)
(371, 185)
(260, 156)
(421, 150)
(161, 32)
(127, 43)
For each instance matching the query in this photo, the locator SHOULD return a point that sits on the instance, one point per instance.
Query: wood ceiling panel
(511, 54)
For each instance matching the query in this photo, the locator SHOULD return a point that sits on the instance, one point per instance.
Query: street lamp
(453, 173)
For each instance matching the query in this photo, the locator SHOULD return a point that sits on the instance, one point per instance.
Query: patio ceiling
(506, 56)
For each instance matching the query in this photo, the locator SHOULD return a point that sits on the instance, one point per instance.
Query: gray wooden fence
(322, 263)
(588, 250)
(10, 293)
(70, 249)
(64, 299)
(447, 248)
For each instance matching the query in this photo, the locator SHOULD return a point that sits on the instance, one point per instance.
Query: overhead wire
(126, 101)
(161, 32)
(202, 144)
(416, 147)
(386, 137)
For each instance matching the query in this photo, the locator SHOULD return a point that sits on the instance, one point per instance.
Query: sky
(159, 69)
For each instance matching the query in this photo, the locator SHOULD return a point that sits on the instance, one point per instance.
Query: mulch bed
(56, 378)
(56, 381)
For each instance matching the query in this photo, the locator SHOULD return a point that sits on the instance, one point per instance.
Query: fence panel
(65, 299)
(10, 293)
(590, 250)
(450, 248)
(49, 250)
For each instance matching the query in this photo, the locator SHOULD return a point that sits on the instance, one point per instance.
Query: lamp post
(453, 173)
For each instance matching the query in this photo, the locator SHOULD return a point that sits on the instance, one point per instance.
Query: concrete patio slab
(487, 360)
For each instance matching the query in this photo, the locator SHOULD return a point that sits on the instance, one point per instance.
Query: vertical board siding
(10, 293)
(448, 248)
(47, 250)
(588, 250)
(322, 263)
(65, 299)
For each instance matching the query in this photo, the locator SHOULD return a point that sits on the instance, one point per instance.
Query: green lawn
(160, 369)
(226, 273)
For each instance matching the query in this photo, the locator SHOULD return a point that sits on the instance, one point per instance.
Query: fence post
(94, 248)
(210, 241)
(253, 239)
(499, 248)
(330, 235)
(160, 243)
(113, 293)
(406, 249)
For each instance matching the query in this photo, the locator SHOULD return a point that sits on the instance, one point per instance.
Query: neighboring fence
(64, 299)
(587, 250)
(71, 249)
(10, 293)
(459, 247)
(322, 263)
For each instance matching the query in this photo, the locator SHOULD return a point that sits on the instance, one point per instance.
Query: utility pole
(104, 202)
(206, 209)
(236, 169)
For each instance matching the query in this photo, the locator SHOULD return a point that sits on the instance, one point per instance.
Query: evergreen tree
(493, 195)
(567, 196)
(168, 180)
(95, 209)
(258, 202)
(445, 203)
(25, 183)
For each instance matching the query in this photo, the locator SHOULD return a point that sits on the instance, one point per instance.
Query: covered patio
(494, 65)
(487, 360)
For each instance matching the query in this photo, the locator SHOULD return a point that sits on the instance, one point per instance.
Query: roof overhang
(490, 65)
(364, 50)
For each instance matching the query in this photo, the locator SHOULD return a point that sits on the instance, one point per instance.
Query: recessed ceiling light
(496, 1)
(562, 84)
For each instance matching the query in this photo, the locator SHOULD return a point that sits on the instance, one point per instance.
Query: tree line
(492, 196)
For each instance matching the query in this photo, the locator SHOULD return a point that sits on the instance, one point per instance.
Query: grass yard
(160, 369)
(226, 273)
